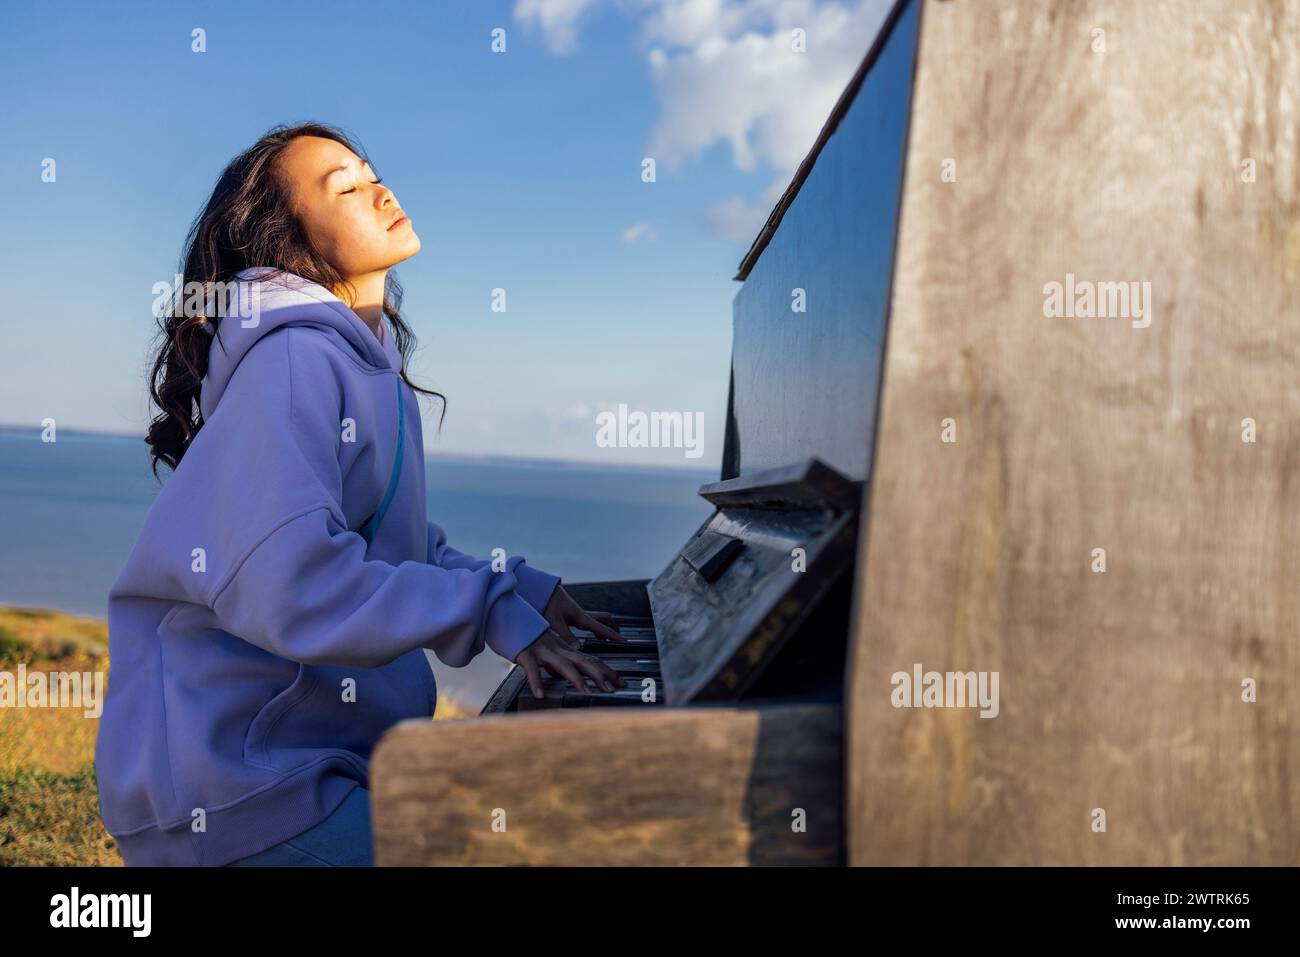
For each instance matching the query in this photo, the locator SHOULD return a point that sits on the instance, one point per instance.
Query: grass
(49, 799)
(451, 708)
(49, 803)
(52, 820)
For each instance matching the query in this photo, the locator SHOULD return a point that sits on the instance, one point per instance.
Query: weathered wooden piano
(920, 466)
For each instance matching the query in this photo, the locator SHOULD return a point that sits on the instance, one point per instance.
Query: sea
(71, 510)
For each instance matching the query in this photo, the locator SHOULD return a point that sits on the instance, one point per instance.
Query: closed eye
(354, 189)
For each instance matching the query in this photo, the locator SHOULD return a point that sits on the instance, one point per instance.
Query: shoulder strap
(371, 526)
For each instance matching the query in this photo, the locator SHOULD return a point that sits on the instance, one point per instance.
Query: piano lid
(809, 321)
(750, 576)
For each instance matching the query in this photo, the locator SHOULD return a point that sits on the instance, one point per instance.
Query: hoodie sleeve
(532, 584)
(261, 489)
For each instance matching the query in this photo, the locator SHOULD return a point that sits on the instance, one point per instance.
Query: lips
(401, 218)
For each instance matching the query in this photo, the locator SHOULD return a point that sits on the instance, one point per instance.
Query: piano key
(597, 646)
(559, 693)
(632, 639)
(551, 683)
(640, 667)
(622, 698)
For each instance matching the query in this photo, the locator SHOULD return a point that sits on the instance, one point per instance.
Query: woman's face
(353, 221)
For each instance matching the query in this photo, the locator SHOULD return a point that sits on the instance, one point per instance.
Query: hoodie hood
(269, 299)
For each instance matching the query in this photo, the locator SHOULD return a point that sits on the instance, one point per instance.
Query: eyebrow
(343, 168)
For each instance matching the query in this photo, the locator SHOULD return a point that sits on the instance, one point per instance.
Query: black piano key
(640, 631)
(626, 632)
(526, 702)
(629, 667)
(597, 646)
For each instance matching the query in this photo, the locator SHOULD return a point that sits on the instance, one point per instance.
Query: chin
(407, 249)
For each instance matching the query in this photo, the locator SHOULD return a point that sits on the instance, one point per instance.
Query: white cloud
(740, 219)
(724, 72)
(734, 219)
(641, 230)
(557, 20)
(691, 22)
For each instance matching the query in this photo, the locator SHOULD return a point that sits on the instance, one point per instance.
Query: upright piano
(725, 743)
(921, 466)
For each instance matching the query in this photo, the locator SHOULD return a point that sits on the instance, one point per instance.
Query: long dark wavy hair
(247, 221)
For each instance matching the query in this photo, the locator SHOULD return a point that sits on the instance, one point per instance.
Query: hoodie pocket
(256, 741)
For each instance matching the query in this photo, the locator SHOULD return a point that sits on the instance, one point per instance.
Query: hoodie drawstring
(371, 527)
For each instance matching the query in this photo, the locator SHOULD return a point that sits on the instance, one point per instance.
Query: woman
(269, 624)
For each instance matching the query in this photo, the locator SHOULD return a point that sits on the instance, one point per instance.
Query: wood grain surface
(705, 785)
(1120, 690)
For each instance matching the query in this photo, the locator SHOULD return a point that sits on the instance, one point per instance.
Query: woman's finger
(561, 628)
(606, 678)
(530, 669)
(606, 618)
(598, 629)
(563, 667)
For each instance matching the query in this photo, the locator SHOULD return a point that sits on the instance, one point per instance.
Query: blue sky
(519, 169)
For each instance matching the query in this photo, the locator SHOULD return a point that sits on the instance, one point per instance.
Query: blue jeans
(341, 840)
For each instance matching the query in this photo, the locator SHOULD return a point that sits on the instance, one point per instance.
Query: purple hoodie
(270, 622)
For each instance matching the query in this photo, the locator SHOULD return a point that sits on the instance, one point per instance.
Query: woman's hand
(562, 611)
(564, 662)
(558, 649)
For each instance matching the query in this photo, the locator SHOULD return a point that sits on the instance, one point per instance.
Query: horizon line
(10, 428)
